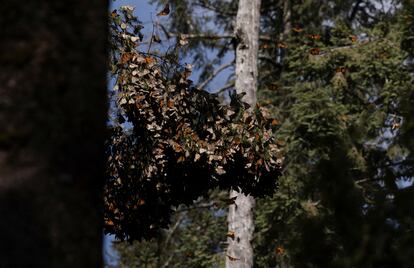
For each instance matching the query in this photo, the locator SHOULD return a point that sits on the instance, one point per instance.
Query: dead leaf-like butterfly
(297, 29)
(231, 258)
(314, 36)
(315, 51)
(165, 11)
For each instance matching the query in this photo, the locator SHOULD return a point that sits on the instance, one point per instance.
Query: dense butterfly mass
(173, 142)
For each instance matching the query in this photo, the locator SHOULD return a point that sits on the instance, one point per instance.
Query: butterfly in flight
(165, 11)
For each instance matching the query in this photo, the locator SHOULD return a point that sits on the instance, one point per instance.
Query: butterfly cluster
(176, 142)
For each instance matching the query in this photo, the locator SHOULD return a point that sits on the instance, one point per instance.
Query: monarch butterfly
(125, 57)
(353, 38)
(395, 126)
(109, 222)
(297, 29)
(231, 234)
(282, 45)
(340, 70)
(165, 11)
(170, 104)
(141, 202)
(149, 60)
(264, 46)
(314, 36)
(275, 122)
(315, 51)
(232, 258)
(280, 250)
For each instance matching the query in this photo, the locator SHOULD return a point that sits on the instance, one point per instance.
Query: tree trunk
(52, 131)
(240, 218)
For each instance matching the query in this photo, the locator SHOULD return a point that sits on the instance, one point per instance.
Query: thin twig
(152, 35)
(173, 229)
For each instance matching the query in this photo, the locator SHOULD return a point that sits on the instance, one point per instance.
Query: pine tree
(339, 99)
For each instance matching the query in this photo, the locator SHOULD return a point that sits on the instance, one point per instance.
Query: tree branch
(167, 240)
(205, 205)
(354, 12)
(208, 36)
(207, 6)
(214, 74)
(224, 88)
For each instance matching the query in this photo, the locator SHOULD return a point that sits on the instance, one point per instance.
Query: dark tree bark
(52, 130)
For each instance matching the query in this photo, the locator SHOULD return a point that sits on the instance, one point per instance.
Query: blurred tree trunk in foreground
(52, 125)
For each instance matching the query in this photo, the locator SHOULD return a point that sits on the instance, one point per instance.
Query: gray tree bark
(240, 217)
(52, 131)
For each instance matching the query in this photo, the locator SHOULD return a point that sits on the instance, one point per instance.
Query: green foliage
(196, 238)
(341, 109)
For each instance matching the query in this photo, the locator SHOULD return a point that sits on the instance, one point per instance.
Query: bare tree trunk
(287, 24)
(240, 218)
(52, 131)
